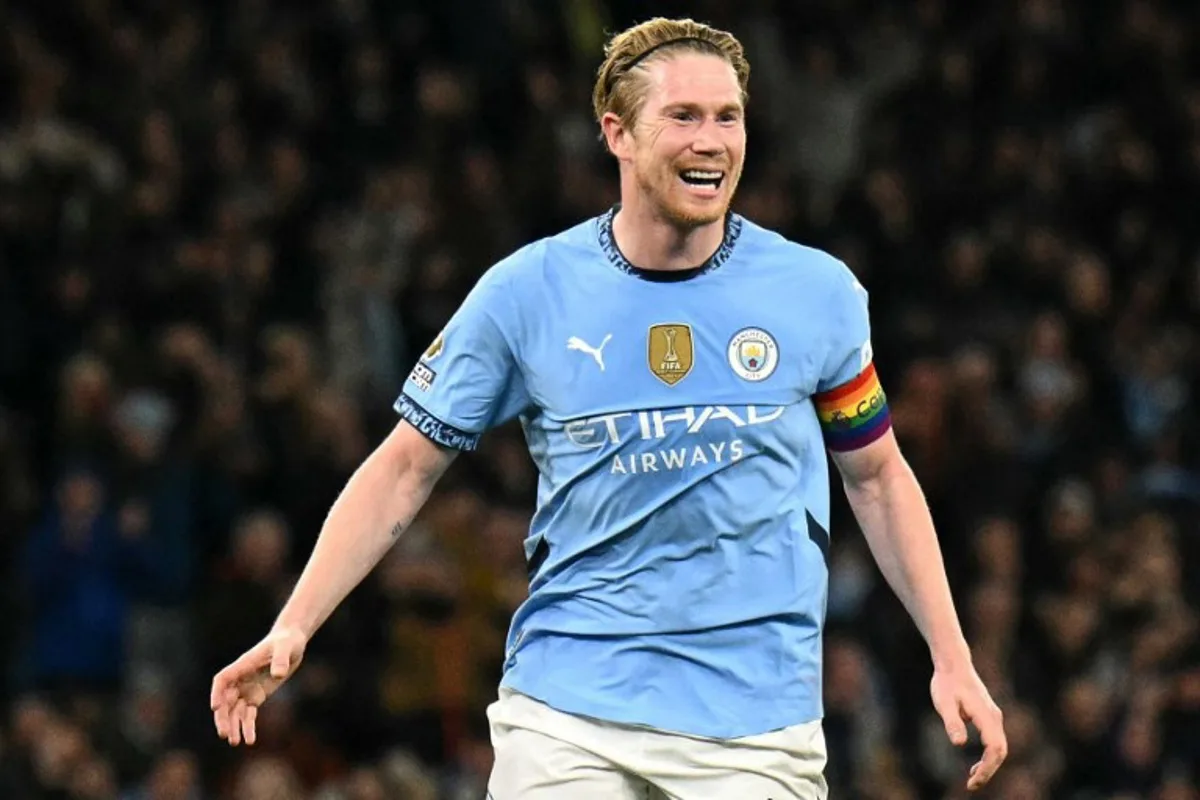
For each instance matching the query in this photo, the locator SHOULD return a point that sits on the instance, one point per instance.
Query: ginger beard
(682, 202)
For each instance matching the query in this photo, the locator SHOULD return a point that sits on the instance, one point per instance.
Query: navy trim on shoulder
(433, 428)
(608, 243)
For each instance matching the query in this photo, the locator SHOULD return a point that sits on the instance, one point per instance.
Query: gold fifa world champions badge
(670, 351)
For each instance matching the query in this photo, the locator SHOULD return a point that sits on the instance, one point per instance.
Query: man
(680, 373)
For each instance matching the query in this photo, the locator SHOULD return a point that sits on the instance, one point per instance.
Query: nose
(708, 141)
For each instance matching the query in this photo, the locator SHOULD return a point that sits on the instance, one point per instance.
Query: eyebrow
(684, 106)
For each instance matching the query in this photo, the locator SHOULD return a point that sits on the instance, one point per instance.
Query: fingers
(244, 667)
(248, 725)
(995, 747)
(959, 699)
(240, 688)
(236, 716)
(952, 718)
(223, 698)
(226, 695)
(222, 682)
(237, 720)
(221, 710)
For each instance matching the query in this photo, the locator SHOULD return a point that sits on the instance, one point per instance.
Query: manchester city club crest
(753, 354)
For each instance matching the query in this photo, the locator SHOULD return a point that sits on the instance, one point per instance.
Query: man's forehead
(693, 78)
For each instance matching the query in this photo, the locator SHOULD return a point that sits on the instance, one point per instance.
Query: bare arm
(890, 508)
(378, 503)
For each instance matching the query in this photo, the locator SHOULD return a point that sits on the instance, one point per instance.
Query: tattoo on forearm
(398, 529)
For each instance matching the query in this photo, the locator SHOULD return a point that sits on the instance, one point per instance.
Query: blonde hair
(618, 91)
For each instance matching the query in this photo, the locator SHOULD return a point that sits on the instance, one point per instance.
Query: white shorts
(545, 754)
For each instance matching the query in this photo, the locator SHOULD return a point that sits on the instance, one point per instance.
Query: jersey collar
(608, 243)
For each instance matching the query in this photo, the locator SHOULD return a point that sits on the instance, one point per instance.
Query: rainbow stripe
(854, 414)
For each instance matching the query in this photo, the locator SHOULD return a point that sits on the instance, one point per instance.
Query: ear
(617, 136)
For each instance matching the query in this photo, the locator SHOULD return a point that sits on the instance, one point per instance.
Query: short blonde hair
(617, 91)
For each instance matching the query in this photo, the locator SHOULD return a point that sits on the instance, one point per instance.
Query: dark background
(228, 227)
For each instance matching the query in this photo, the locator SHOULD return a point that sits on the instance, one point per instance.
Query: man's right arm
(378, 504)
(467, 382)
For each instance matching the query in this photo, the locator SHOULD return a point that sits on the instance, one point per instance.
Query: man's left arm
(853, 412)
(890, 508)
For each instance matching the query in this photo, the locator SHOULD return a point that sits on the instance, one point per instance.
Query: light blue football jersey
(678, 550)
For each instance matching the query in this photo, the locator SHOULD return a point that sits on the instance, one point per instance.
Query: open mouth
(704, 179)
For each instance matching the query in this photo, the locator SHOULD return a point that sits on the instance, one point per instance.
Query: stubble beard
(660, 192)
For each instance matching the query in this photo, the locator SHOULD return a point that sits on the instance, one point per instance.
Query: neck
(651, 242)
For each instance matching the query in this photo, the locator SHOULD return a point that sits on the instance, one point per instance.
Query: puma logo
(575, 343)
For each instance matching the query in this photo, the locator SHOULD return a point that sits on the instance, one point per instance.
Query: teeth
(702, 176)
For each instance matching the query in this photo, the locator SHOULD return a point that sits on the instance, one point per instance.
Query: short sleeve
(850, 400)
(468, 380)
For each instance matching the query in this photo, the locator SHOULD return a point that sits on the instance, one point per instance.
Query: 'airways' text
(678, 458)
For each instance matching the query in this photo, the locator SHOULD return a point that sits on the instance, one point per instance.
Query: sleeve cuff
(433, 428)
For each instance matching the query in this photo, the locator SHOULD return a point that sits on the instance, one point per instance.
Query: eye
(683, 115)
(729, 117)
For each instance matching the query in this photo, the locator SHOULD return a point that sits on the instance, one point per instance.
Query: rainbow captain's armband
(854, 414)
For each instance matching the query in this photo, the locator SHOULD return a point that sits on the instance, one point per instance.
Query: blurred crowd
(226, 229)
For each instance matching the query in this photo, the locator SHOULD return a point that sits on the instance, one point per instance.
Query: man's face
(688, 142)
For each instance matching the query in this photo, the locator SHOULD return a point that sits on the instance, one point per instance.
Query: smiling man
(679, 405)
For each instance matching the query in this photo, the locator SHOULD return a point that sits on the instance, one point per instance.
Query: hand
(243, 686)
(959, 697)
